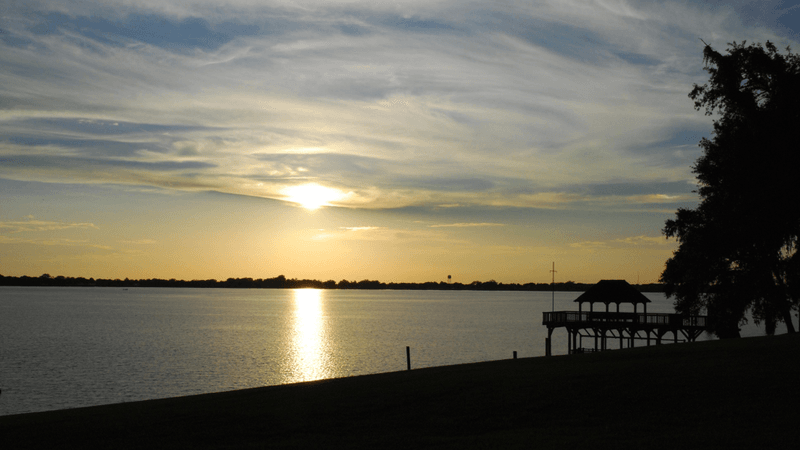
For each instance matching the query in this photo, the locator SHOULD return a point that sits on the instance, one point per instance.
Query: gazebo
(612, 291)
(627, 326)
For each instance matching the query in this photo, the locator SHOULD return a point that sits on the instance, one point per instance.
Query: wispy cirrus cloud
(467, 225)
(393, 235)
(140, 241)
(357, 229)
(629, 241)
(53, 242)
(41, 225)
(421, 103)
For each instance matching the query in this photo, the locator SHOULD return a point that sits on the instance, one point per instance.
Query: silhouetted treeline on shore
(281, 282)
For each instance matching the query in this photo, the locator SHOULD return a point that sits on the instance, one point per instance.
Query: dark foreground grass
(720, 394)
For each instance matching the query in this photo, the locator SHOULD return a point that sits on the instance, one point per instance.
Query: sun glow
(311, 196)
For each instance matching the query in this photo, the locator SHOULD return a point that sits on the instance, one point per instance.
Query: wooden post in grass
(515, 354)
(408, 357)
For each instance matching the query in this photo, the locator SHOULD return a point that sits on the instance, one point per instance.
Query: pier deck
(628, 327)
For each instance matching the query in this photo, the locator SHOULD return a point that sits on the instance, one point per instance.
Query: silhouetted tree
(738, 249)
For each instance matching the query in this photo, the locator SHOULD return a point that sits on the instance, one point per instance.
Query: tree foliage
(738, 249)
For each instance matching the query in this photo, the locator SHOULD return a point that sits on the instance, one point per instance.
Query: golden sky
(405, 141)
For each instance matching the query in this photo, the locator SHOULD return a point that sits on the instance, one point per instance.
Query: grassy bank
(718, 394)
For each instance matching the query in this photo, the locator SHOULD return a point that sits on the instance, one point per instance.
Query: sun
(311, 196)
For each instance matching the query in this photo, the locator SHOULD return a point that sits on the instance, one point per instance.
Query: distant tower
(449, 278)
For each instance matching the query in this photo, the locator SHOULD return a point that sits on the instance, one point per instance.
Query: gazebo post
(575, 341)
(569, 341)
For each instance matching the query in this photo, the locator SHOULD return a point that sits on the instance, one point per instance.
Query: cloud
(589, 246)
(431, 238)
(467, 225)
(360, 228)
(52, 242)
(646, 241)
(640, 241)
(41, 225)
(140, 242)
(514, 104)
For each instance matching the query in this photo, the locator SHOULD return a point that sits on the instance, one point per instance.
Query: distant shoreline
(281, 282)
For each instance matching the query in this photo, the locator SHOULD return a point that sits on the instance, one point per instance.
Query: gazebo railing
(587, 317)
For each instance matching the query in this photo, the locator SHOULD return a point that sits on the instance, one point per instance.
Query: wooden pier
(627, 327)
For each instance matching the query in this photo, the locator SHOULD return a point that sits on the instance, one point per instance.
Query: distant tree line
(281, 282)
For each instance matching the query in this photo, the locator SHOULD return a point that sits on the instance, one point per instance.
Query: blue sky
(479, 139)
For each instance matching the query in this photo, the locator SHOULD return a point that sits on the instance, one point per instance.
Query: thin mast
(553, 285)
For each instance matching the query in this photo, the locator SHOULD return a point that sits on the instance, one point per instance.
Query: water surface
(73, 347)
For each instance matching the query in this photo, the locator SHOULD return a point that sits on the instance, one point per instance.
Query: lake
(73, 347)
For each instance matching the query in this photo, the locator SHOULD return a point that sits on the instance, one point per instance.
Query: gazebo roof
(612, 291)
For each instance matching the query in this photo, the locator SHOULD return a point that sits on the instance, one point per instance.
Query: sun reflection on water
(309, 346)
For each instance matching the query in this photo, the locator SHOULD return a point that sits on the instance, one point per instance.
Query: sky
(398, 141)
